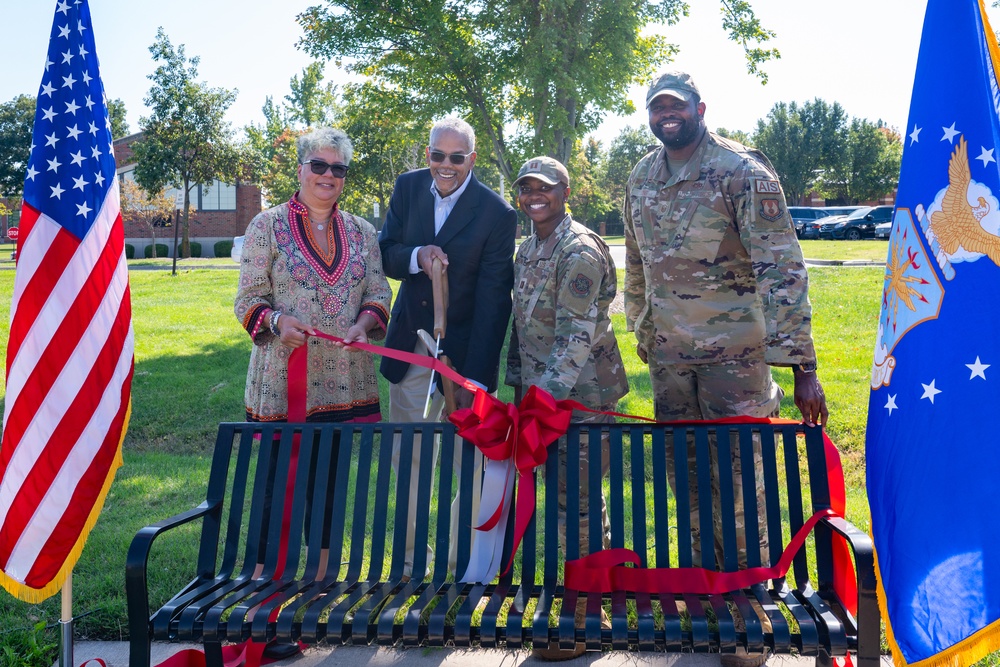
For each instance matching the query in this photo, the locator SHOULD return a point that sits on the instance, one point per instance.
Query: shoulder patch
(581, 285)
(770, 209)
(768, 187)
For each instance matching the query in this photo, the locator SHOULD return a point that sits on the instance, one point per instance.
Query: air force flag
(933, 460)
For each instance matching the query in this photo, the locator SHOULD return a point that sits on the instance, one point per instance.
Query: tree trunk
(185, 241)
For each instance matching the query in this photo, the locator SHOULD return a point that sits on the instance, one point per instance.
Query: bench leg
(139, 652)
(213, 654)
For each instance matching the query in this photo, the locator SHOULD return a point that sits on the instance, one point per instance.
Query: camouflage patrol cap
(546, 169)
(675, 83)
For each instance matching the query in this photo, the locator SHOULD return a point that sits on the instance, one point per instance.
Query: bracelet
(273, 322)
(805, 368)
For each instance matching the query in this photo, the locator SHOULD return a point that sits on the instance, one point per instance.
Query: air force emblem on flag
(911, 294)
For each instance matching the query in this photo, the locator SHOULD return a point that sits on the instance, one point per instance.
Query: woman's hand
(358, 333)
(293, 331)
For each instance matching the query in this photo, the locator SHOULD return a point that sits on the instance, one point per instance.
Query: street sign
(12, 233)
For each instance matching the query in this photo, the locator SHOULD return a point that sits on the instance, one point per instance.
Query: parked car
(237, 248)
(883, 230)
(803, 214)
(812, 228)
(858, 225)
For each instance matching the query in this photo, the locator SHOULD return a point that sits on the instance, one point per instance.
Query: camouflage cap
(677, 84)
(546, 169)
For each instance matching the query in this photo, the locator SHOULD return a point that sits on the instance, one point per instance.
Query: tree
(388, 138)
(186, 140)
(117, 114)
(875, 155)
(311, 103)
(805, 144)
(17, 117)
(148, 210)
(625, 151)
(587, 200)
(739, 136)
(551, 71)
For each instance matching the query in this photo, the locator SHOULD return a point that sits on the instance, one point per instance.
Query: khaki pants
(406, 404)
(713, 391)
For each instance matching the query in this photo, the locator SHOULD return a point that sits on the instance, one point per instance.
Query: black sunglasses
(454, 158)
(319, 168)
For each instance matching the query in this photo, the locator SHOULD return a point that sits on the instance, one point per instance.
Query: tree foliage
(532, 78)
(150, 210)
(389, 139)
(311, 102)
(16, 120)
(625, 151)
(117, 115)
(816, 146)
(186, 140)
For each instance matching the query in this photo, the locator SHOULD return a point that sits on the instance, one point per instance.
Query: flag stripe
(65, 535)
(41, 244)
(55, 420)
(56, 301)
(72, 327)
(104, 404)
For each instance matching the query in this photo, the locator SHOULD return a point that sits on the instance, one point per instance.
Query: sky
(860, 53)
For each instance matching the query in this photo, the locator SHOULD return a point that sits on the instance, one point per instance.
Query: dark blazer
(478, 237)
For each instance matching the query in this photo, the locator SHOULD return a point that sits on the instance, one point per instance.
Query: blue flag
(933, 464)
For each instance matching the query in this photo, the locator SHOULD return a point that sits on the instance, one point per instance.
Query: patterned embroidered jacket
(281, 269)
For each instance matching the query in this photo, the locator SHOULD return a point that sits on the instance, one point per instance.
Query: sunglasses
(319, 168)
(454, 158)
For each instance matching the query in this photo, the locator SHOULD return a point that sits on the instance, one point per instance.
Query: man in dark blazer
(445, 212)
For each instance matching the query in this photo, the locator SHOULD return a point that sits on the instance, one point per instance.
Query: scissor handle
(439, 283)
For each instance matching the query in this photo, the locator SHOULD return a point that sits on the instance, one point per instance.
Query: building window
(217, 197)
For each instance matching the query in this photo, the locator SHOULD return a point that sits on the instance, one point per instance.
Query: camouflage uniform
(715, 290)
(562, 340)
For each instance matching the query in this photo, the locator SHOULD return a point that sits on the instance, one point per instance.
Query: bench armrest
(864, 562)
(136, 591)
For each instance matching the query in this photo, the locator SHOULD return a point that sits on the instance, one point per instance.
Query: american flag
(70, 352)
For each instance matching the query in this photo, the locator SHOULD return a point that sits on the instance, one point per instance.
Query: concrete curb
(842, 262)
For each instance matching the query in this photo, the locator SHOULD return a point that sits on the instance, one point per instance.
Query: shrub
(161, 250)
(129, 251)
(195, 248)
(223, 248)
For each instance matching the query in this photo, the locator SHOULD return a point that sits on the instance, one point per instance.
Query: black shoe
(276, 651)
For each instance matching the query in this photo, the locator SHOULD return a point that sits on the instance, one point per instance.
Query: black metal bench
(365, 599)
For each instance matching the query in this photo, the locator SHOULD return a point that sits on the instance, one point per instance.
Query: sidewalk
(115, 654)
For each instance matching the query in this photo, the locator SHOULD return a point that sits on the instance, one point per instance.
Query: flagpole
(66, 624)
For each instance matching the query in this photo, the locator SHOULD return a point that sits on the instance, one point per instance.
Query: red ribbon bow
(522, 434)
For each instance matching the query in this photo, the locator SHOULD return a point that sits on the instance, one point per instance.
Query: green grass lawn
(190, 365)
(869, 249)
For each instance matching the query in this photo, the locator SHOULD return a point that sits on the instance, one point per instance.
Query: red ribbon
(502, 431)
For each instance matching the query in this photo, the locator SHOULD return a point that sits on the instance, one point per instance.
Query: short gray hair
(458, 126)
(325, 137)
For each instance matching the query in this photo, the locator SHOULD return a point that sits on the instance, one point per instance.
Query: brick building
(221, 211)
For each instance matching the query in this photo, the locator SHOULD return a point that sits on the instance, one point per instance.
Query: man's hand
(641, 353)
(463, 399)
(293, 331)
(810, 399)
(426, 255)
